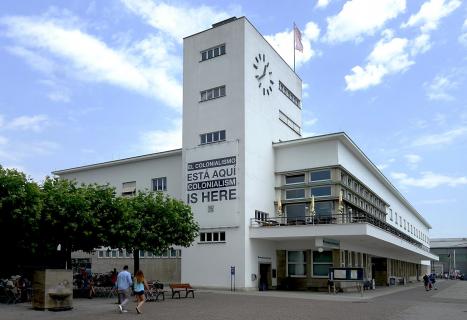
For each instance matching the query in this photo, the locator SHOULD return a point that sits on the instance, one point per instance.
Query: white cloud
(441, 138)
(439, 87)
(413, 158)
(428, 180)
(34, 123)
(382, 166)
(34, 60)
(389, 56)
(362, 17)
(420, 44)
(177, 21)
(463, 37)
(430, 14)
(92, 60)
(322, 4)
(305, 87)
(160, 140)
(282, 42)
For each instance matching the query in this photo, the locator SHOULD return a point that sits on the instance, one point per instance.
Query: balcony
(335, 219)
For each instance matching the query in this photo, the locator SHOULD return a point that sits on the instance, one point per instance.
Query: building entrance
(379, 270)
(264, 276)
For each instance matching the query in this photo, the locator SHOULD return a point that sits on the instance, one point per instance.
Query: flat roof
(448, 243)
(345, 139)
(144, 157)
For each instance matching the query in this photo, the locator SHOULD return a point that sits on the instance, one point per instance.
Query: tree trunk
(136, 260)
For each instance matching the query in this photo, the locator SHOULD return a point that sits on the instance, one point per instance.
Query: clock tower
(239, 96)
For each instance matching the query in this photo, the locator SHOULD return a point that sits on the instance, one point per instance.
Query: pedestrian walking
(124, 283)
(426, 282)
(432, 279)
(140, 286)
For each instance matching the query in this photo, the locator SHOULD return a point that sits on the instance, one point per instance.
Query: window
(324, 208)
(395, 213)
(289, 94)
(289, 122)
(114, 253)
(320, 175)
(216, 236)
(321, 191)
(213, 93)
(297, 210)
(260, 215)
(296, 263)
(107, 254)
(295, 194)
(173, 253)
(300, 178)
(159, 184)
(141, 253)
(129, 188)
(400, 221)
(101, 254)
(390, 212)
(213, 52)
(322, 261)
(212, 137)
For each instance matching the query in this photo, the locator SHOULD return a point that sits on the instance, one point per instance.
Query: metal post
(293, 33)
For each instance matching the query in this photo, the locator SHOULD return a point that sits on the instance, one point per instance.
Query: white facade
(241, 138)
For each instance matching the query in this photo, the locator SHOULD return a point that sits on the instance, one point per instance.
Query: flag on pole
(297, 38)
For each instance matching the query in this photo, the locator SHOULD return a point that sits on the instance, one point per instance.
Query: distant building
(452, 253)
(274, 209)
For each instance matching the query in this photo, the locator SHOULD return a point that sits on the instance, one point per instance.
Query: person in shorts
(140, 286)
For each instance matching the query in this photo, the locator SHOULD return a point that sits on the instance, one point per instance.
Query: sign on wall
(212, 180)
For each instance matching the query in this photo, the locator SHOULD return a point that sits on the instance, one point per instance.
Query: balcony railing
(362, 217)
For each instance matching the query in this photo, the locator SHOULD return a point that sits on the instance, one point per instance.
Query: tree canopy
(60, 213)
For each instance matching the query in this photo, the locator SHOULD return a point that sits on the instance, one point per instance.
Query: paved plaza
(409, 302)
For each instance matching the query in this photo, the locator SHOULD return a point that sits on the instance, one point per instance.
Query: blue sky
(87, 81)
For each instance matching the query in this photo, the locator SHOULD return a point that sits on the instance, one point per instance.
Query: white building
(275, 206)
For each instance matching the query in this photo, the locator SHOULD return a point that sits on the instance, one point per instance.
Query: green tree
(158, 222)
(20, 209)
(76, 217)
(36, 220)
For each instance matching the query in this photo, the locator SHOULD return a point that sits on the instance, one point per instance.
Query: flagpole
(293, 33)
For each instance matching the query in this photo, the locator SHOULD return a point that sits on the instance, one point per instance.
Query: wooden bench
(181, 287)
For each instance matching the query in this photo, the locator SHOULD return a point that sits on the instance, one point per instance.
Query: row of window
(213, 93)
(114, 253)
(292, 125)
(364, 205)
(322, 191)
(315, 176)
(296, 263)
(289, 94)
(322, 261)
(408, 227)
(157, 184)
(212, 137)
(300, 210)
(213, 52)
(361, 190)
(215, 236)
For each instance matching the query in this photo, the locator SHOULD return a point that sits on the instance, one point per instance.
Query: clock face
(263, 74)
